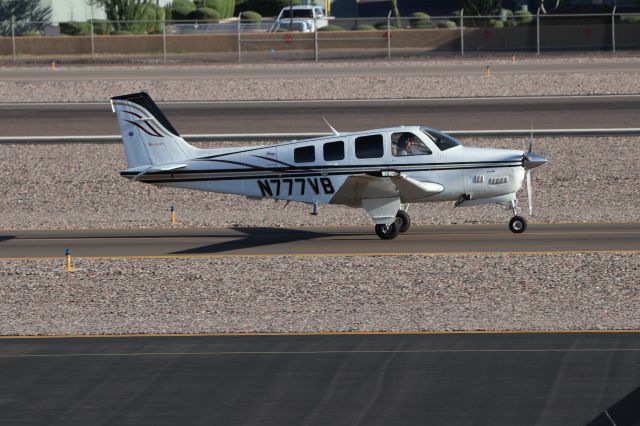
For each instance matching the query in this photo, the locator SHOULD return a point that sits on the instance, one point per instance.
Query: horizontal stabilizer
(167, 167)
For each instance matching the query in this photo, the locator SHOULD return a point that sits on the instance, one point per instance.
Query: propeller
(530, 161)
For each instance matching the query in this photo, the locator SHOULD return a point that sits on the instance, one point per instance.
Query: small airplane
(382, 171)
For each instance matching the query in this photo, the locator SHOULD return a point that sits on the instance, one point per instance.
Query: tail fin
(148, 137)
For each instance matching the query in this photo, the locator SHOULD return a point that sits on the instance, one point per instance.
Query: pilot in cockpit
(403, 145)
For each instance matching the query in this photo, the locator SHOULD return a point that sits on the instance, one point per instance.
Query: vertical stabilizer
(147, 135)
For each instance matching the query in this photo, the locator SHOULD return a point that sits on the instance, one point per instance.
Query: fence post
(91, 27)
(13, 36)
(538, 31)
(93, 49)
(239, 38)
(461, 32)
(315, 37)
(613, 29)
(164, 40)
(389, 35)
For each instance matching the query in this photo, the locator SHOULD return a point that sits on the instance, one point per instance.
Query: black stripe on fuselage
(283, 175)
(359, 167)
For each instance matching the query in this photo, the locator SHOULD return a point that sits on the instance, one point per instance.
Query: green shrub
(384, 25)
(523, 17)
(447, 24)
(363, 27)
(122, 33)
(155, 15)
(423, 26)
(496, 24)
(205, 14)
(633, 19)
(223, 7)
(331, 28)
(251, 16)
(181, 9)
(419, 18)
(75, 28)
(31, 34)
(101, 27)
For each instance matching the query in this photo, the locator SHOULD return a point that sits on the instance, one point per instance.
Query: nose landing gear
(517, 224)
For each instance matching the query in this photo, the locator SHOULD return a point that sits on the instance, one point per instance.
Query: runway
(306, 70)
(343, 241)
(561, 112)
(349, 379)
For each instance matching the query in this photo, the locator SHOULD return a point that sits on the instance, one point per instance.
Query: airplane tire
(517, 225)
(387, 232)
(403, 220)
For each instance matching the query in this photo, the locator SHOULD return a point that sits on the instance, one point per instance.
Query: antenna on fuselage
(335, 132)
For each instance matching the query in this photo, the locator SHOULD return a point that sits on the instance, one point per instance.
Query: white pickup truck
(302, 18)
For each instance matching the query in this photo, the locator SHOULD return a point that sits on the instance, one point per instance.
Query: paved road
(539, 238)
(401, 379)
(572, 112)
(306, 70)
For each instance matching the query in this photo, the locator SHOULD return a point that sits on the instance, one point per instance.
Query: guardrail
(233, 137)
(239, 40)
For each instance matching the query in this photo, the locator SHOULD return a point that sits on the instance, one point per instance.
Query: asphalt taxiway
(333, 241)
(340, 379)
(553, 112)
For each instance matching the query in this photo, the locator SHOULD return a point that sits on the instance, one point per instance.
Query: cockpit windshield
(442, 140)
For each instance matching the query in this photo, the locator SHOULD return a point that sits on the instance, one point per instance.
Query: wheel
(403, 220)
(387, 232)
(517, 224)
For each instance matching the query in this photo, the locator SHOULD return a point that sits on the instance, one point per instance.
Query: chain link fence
(240, 40)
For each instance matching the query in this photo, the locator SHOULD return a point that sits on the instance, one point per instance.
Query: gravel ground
(301, 89)
(571, 291)
(79, 186)
(376, 87)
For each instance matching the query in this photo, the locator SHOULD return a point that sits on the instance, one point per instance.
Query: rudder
(147, 135)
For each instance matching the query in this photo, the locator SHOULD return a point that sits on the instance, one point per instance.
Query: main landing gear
(399, 226)
(517, 224)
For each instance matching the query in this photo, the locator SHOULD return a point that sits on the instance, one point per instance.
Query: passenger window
(406, 143)
(305, 154)
(333, 151)
(369, 146)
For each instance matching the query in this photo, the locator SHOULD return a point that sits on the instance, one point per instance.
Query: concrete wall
(475, 39)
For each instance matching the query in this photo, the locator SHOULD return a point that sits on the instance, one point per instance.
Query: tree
(121, 11)
(481, 7)
(396, 12)
(29, 16)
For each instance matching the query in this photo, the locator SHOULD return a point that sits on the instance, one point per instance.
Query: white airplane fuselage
(380, 170)
(271, 172)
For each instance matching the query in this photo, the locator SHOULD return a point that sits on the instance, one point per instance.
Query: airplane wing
(363, 187)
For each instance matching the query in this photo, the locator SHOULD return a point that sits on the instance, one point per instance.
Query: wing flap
(363, 187)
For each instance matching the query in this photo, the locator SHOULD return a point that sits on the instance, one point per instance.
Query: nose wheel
(517, 224)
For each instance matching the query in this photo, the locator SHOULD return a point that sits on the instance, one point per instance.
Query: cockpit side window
(442, 140)
(369, 146)
(305, 154)
(406, 143)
